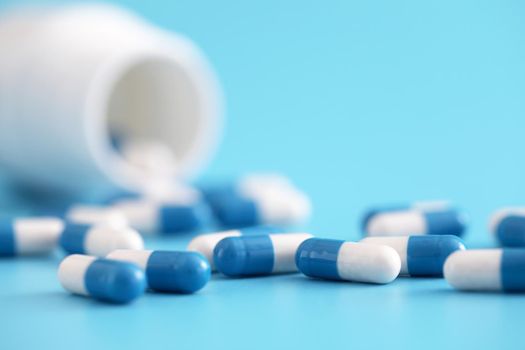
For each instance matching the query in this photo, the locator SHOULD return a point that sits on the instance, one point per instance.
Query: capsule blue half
(103, 279)
(206, 243)
(150, 216)
(169, 271)
(258, 255)
(421, 256)
(257, 200)
(414, 220)
(510, 231)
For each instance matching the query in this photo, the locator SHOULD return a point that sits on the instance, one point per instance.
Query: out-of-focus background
(367, 102)
(359, 103)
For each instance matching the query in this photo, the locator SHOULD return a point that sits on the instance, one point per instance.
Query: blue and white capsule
(426, 218)
(348, 261)
(205, 243)
(150, 216)
(487, 270)
(508, 226)
(99, 240)
(103, 279)
(29, 236)
(169, 271)
(251, 185)
(258, 200)
(421, 256)
(258, 255)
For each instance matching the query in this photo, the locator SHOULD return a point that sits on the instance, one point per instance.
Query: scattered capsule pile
(106, 257)
(106, 260)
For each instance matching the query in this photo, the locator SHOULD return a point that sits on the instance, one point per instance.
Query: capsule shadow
(476, 294)
(298, 278)
(53, 301)
(166, 294)
(217, 276)
(44, 258)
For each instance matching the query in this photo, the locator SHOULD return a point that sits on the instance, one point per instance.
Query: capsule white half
(28, 236)
(258, 254)
(487, 270)
(205, 244)
(99, 240)
(340, 260)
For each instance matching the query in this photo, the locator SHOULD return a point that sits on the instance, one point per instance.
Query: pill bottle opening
(156, 99)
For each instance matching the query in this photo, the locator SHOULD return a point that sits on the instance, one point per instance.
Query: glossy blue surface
(244, 256)
(426, 255)
(235, 211)
(513, 270)
(359, 102)
(114, 281)
(445, 222)
(317, 258)
(7, 238)
(181, 218)
(511, 231)
(73, 237)
(180, 272)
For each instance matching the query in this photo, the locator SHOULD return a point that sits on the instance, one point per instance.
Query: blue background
(360, 103)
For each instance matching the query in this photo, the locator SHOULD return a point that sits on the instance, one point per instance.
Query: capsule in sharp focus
(258, 255)
(508, 226)
(205, 243)
(107, 280)
(98, 240)
(29, 236)
(427, 218)
(349, 261)
(169, 271)
(421, 255)
(487, 270)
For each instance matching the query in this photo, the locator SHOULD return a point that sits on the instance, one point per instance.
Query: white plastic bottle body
(67, 86)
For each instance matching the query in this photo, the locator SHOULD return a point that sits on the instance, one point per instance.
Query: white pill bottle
(71, 77)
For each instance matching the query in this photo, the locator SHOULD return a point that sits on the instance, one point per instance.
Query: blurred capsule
(270, 209)
(149, 216)
(29, 236)
(421, 255)
(508, 226)
(98, 240)
(96, 215)
(429, 218)
(258, 200)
